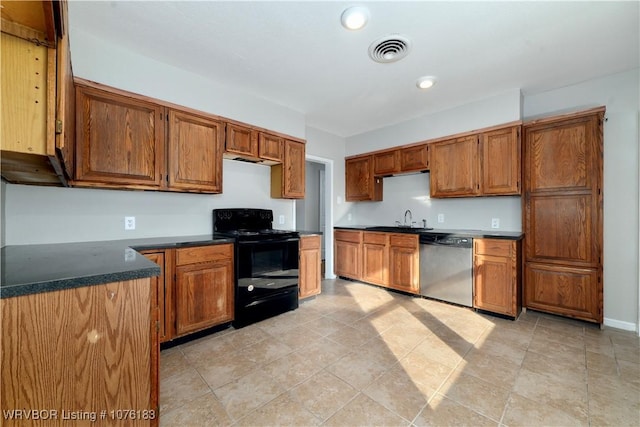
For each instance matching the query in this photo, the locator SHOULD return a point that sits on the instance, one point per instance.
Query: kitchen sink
(397, 229)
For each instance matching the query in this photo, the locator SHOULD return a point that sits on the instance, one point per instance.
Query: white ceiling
(295, 53)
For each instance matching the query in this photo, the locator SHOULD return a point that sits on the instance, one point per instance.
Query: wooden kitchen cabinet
(37, 132)
(386, 163)
(361, 183)
(484, 164)
(348, 253)
(162, 285)
(414, 158)
(375, 258)
(563, 215)
(204, 287)
(404, 263)
(288, 177)
(310, 265)
(501, 162)
(496, 270)
(194, 158)
(89, 349)
(456, 169)
(270, 147)
(241, 140)
(120, 140)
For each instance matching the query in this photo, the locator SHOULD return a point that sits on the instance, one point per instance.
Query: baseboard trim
(619, 324)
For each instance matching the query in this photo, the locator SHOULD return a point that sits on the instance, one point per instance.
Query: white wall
(412, 191)
(620, 94)
(50, 214)
(101, 61)
(307, 209)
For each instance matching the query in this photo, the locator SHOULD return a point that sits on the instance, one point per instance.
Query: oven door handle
(275, 240)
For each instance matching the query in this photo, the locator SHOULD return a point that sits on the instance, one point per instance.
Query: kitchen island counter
(32, 269)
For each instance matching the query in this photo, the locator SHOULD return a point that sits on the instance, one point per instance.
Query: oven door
(266, 267)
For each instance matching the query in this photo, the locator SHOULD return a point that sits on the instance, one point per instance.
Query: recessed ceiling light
(355, 18)
(426, 82)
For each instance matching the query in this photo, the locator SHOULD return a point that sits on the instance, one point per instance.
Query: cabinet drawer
(309, 242)
(495, 247)
(404, 240)
(198, 254)
(375, 238)
(348, 236)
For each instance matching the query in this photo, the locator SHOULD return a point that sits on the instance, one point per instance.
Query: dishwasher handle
(445, 240)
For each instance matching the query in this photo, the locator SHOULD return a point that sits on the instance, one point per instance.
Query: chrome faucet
(408, 211)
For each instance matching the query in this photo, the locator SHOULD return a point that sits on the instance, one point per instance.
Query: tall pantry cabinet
(562, 215)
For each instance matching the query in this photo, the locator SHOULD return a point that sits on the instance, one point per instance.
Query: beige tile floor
(358, 355)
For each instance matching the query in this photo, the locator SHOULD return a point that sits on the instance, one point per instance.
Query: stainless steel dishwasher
(446, 268)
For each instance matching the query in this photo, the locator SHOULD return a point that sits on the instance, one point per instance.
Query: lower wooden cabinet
(497, 276)
(404, 262)
(310, 265)
(195, 288)
(203, 287)
(84, 349)
(348, 253)
(375, 258)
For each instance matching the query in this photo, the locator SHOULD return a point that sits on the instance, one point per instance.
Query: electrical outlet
(349, 217)
(440, 218)
(281, 219)
(129, 222)
(495, 222)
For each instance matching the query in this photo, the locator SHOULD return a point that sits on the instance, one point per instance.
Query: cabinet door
(159, 285)
(493, 284)
(195, 152)
(120, 140)
(310, 261)
(386, 163)
(270, 147)
(348, 259)
(360, 183)
(455, 169)
(288, 178)
(404, 268)
(375, 258)
(501, 162)
(80, 349)
(414, 158)
(575, 292)
(204, 295)
(241, 140)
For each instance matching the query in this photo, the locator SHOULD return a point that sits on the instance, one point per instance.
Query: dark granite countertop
(478, 234)
(309, 232)
(30, 269)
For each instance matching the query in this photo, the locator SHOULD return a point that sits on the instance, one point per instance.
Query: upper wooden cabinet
(288, 177)
(386, 163)
(414, 158)
(36, 136)
(195, 146)
(455, 170)
(501, 161)
(126, 141)
(241, 140)
(484, 164)
(120, 140)
(361, 183)
(270, 147)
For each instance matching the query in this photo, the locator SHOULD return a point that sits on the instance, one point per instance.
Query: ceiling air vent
(389, 48)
